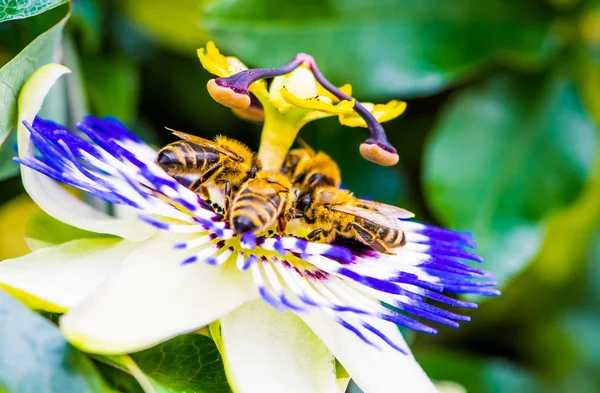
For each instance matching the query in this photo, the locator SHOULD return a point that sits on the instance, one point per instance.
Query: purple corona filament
(356, 286)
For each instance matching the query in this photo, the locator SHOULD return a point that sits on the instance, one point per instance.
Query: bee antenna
(305, 145)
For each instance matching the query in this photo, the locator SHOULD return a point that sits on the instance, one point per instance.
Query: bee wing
(387, 210)
(204, 143)
(370, 215)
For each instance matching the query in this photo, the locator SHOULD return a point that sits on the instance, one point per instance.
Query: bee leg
(227, 198)
(281, 224)
(317, 234)
(204, 194)
(196, 186)
(368, 238)
(289, 214)
(209, 172)
(200, 189)
(306, 218)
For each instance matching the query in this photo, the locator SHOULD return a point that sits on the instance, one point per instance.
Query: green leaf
(8, 167)
(76, 97)
(35, 358)
(568, 235)
(19, 9)
(187, 363)
(580, 321)
(478, 374)
(506, 153)
(174, 23)
(485, 375)
(587, 71)
(113, 87)
(17, 34)
(55, 105)
(384, 47)
(118, 378)
(87, 23)
(43, 231)
(14, 74)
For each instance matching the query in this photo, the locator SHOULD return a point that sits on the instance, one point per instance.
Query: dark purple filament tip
(241, 81)
(378, 136)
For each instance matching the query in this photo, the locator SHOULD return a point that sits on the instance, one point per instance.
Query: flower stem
(278, 135)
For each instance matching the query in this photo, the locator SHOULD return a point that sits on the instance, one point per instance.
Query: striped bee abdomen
(258, 204)
(391, 237)
(184, 157)
(254, 212)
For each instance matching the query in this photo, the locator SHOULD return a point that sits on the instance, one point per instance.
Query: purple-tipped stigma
(233, 92)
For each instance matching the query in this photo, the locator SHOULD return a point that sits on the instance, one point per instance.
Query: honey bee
(260, 202)
(225, 162)
(332, 211)
(308, 169)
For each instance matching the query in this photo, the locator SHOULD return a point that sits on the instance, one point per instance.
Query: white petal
(154, 298)
(449, 387)
(63, 206)
(266, 351)
(47, 193)
(374, 370)
(37, 244)
(57, 278)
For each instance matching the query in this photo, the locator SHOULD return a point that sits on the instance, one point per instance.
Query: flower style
(280, 308)
(298, 94)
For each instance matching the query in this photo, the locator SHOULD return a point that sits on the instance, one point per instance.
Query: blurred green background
(499, 138)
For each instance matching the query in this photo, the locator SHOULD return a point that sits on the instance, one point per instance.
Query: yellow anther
(217, 64)
(216, 56)
(318, 103)
(346, 89)
(210, 65)
(381, 112)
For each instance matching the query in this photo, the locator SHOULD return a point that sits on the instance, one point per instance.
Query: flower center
(284, 115)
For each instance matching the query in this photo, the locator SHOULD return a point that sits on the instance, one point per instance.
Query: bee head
(292, 160)
(303, 203)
